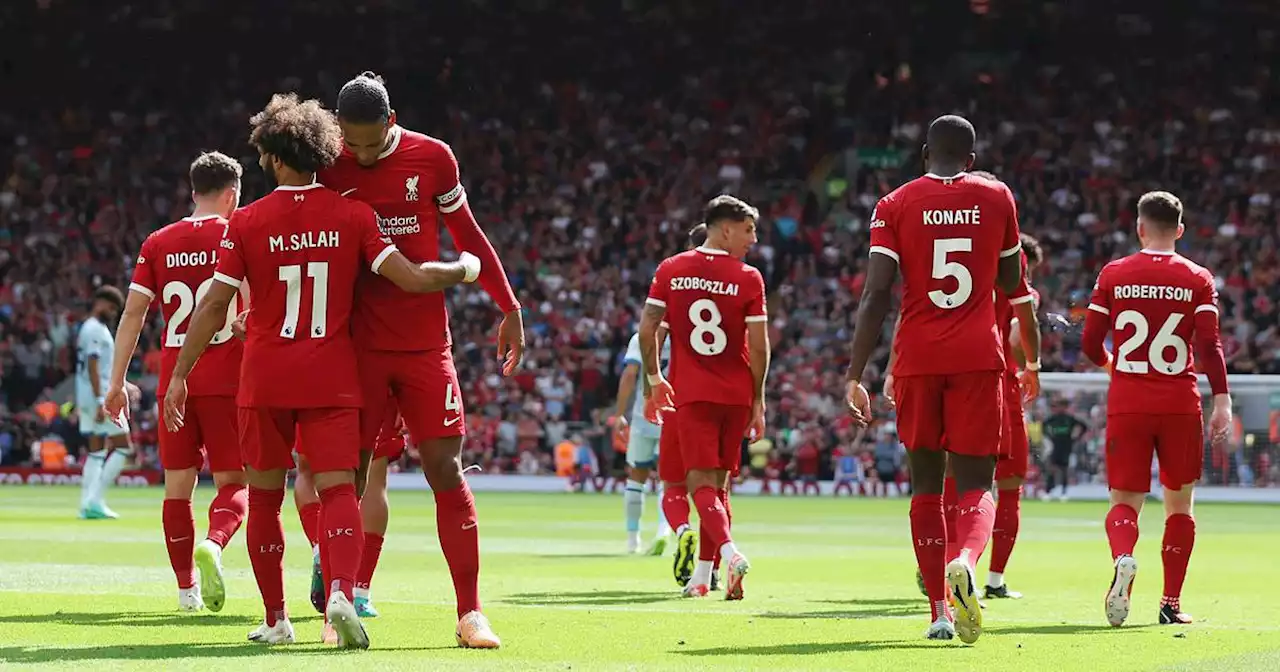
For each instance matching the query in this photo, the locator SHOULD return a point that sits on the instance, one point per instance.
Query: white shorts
(90, 426)
(642, 449)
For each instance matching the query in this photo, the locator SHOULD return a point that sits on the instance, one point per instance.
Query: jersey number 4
(1164, 340)
(944, 268)
(187, 301)
(291, 276)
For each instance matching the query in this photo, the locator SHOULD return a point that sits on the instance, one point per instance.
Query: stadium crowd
(589, 135)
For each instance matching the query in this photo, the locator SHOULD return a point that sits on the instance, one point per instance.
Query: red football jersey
(1151, 300)
(1005, 316)
(415, 180)
(709, 297)
(301, 250)
(947, 235)
(175, 269)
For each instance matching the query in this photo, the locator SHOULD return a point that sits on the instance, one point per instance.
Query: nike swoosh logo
(174, 541)
(452, 421)
(223, 511)
(348, 191)
(468, 526)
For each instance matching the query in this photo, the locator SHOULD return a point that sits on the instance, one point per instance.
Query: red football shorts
(968, 408)
(670, 461)
(711, 435)
(423, 382)
(211, 425)
(328, 437)
(1015, 449)
(1178, 440)
(391, 438)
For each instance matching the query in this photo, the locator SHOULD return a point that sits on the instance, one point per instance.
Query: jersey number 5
(291, 276)
(187, 302)
(707, 338)
(943, 268)
(1164, 340)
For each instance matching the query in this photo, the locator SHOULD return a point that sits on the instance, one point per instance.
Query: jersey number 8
(1164, 340)
(187, 301)
(707, 338)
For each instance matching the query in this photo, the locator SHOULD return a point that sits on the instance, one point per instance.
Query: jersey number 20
(187, 301)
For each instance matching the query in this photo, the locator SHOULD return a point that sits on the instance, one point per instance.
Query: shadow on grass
(45, 654)
(885, 607)
(135, 618)
(1060, 629)
(590, 598)
(580, 556)
(808, 649)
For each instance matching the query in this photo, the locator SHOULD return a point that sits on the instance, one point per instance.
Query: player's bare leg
(1179, 540)
(928, 530)
(1004, 535)
(308, 504)
(341, 545)
(456, 524)
(1122, 535)
(974, 523)
(375, 512)
(264, 537)
(715, 536)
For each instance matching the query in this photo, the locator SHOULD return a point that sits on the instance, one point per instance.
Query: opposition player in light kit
(955, 239)
(714, 306)
(175, 269)
(109, 447)
(1155, 304)
(404, 344)
(301, 249)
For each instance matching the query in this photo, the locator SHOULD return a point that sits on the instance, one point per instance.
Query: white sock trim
(995, 579)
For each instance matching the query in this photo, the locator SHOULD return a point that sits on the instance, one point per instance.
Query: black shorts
(1060, 456)
(887, 476)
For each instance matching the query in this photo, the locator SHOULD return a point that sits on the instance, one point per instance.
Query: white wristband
(655, 378)
(1033, 366)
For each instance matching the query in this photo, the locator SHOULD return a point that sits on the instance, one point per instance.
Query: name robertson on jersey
(303, 241)
(951, 217)
(398, 226)
(686, 283)
(1152, 292)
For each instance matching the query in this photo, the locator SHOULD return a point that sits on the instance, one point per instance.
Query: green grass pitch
(832, 588)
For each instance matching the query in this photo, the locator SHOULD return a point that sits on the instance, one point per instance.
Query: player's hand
(238, 326)
(1030, 382)
(858, 403)
(116, 405)
(888, 390)
(511, 341)
(1110, 366)
(621, 433)
(1220, 420)
(175, 404)
(662, 398)
(755, 431)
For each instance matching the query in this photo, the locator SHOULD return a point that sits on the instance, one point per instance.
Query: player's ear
(969, 164)
(924, 156)
(1181, 229)
(391, 119)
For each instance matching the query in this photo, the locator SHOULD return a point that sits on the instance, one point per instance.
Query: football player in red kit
(713, 305)
(412, 182)
(955, 239)
(301, 249)
(175, 269)
(1156, 305)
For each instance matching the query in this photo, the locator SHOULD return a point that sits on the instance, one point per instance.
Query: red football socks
(1122, 530)
(341, 528)
(309, 516)
(456, 525)
(226, 512)
(1179, 539)
(950, 508)
(1005, 533)
(264, 535)
(974, 522)
(929, 532)
(369, 559)
(713, 522)
(675, 505)
(179, 538)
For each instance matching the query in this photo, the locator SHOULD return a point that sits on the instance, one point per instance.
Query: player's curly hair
(364, 100)
(109, 294)
(1031, 248)
(301, 133)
